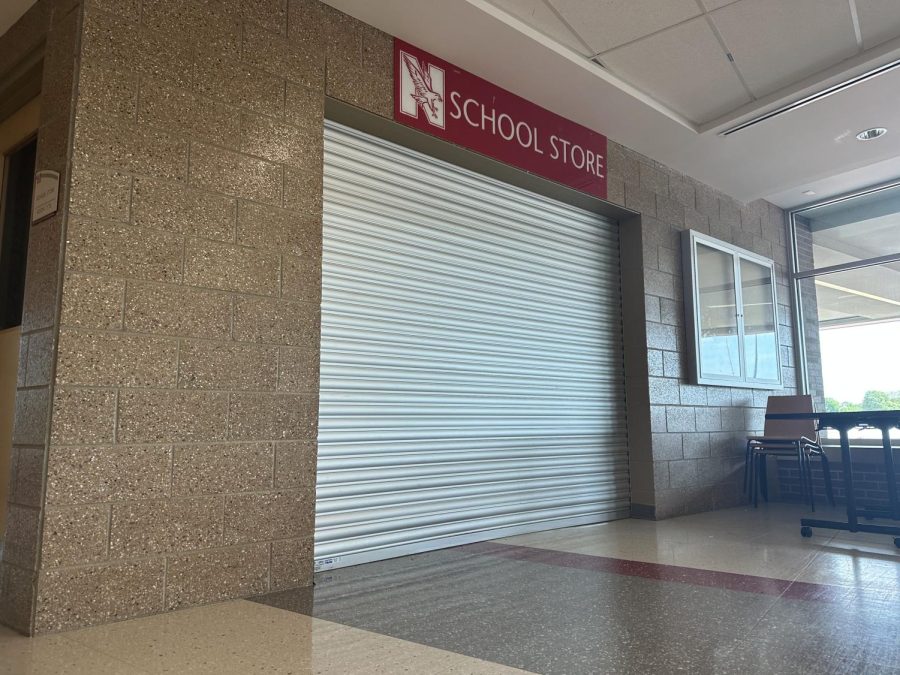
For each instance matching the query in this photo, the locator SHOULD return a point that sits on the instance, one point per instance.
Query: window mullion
(739, 314)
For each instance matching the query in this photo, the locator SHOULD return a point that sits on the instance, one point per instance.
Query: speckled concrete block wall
(182, 445)
(188, 351)
(58, 23)
(694, 461)
(179, 408)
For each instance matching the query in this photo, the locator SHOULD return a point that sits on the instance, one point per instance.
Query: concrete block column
(165, 457)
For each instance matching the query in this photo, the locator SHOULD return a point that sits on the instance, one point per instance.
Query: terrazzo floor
(736, 591)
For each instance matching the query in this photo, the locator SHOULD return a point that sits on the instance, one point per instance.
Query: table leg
(852, 520)
(891, 473)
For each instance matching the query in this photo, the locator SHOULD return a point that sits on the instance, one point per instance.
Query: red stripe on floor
(796, 590)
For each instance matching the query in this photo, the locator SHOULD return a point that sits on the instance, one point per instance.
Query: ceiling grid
(654, 46)
(857, 31)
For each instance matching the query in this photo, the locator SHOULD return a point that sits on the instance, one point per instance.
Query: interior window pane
(855, 229)
(760, 323)
(719, 347)
(852, 329)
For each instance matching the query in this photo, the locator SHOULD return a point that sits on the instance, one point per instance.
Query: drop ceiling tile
(605, 24)
(879, 21)
(778, 42)
(684, 68)
(539, 15)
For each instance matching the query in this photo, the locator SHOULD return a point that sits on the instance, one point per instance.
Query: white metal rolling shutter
(471, 377)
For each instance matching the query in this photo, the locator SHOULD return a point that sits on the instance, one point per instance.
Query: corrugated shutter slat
(471, 366)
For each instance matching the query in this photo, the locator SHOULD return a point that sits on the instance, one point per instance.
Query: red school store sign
(440, 99)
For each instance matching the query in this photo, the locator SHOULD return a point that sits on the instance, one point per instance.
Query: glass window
(760, 326)
(848, 230)
(720, 354)
(733, 334)
(853, 322)
(849, 317)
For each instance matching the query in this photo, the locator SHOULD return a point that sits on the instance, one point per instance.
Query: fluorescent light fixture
(853, 291)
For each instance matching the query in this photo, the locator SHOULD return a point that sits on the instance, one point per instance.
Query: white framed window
(731, 314)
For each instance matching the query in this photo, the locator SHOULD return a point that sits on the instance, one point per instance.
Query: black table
(843, 422)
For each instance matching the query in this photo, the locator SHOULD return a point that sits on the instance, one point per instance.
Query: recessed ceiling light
(809, 193)
(869, 134)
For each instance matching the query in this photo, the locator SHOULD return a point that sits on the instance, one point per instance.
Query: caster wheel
(806, 531)
(897, 542)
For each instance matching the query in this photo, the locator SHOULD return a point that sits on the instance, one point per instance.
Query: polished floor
(736, 591)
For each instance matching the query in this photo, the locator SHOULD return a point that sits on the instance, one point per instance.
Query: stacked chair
(786, 438)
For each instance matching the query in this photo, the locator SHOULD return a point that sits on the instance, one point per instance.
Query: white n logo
(421, 89)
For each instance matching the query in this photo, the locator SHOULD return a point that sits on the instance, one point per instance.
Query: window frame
(690, 239)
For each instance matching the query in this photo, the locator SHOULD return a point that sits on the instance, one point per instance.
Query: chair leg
(755, 464)
(804, 486)
(763, 477)
(809, 481)
(747, 460)
(751, 477)
(826, 471)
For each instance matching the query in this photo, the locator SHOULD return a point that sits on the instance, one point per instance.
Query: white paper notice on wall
(45, 199)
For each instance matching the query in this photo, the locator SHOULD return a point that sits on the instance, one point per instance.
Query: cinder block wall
(181, 464)
(166, 449)
(697, 433)
(57, 23)
(869, 482)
